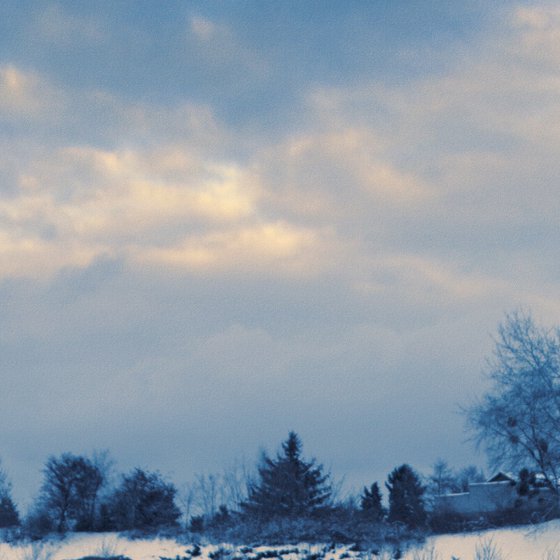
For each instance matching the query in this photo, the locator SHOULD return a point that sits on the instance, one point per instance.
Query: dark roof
(501, 477)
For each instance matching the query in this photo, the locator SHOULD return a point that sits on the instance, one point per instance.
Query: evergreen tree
(527, 485)
(288, 486)
(406, 493)
(9, 516)
(370, 503)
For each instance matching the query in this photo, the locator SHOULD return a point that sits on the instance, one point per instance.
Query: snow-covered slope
(540, 542)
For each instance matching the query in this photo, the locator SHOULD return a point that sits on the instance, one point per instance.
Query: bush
(196, 524)
(119, 557)
(37, 524)
(144, 501)
(339, 526)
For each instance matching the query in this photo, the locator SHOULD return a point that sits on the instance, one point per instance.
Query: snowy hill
(537, 542)
(541, 542)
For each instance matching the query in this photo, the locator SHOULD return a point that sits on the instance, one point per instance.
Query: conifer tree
(406, 493)
(370, 503)
(288, 486)
(9, 516)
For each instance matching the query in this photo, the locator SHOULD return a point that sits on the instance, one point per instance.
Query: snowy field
(540, 542)
(522, 543)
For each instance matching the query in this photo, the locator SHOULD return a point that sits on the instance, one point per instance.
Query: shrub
(487, 550)
(144, 501)
(119, 557)
(196, 524)
(37, 524)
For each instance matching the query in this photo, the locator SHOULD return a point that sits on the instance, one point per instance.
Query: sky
(222, 221)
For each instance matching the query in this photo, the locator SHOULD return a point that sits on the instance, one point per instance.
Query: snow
(86, 544)
(539, 542)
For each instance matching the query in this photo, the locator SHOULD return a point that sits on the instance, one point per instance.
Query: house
(498, 493)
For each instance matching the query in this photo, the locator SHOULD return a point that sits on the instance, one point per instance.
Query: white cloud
(31, 256)
(357, 154)
(266, 248)
(130, 192)
(203, 28)
(539, 28)
(109, 201)
(23, 94)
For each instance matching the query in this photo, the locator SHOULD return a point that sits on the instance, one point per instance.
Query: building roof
(501, 477)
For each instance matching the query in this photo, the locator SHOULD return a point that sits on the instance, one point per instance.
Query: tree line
(517, 421)
(287, 493)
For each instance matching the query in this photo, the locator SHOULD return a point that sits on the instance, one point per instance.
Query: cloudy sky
(221, 221)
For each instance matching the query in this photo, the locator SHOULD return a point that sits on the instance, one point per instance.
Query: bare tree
(467, 475)
(186, 497)
(517, 421)
(5, 484)
(213, 493)
(441, 480)
(236, 481)
(207, 492)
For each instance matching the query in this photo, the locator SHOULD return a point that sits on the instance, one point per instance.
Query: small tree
(71, 484)
(288, 486)
(9, 516)
(144, 501)
(370, 503)
(467, 475)
(527, 485)
(406, 493)
(441, 480)
(207, 493)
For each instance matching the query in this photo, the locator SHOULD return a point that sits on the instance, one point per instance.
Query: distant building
(497, 494)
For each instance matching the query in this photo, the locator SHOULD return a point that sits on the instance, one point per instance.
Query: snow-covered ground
(538, 542)
(541, 542)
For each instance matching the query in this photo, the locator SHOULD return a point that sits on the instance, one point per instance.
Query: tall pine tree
(288, 486)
